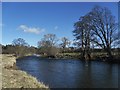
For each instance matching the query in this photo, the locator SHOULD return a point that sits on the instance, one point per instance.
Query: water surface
(71, 73)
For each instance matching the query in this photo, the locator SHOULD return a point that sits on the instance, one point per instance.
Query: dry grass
(12, 78)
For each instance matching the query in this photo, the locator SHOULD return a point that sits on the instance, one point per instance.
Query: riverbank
(101, 57)
(14, 78)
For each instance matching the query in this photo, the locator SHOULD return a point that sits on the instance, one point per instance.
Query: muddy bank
(14, 78)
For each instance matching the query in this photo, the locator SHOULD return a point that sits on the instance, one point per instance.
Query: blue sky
(31, 21)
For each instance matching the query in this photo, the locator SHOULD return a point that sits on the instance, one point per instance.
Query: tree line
(47, 46)
(95, 31)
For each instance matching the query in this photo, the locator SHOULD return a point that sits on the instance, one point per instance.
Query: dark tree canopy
(98, 27)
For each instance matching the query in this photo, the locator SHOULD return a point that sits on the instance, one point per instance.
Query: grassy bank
(68, 55)
(95, 56)
(13, 78)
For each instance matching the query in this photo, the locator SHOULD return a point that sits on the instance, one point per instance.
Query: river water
(71, 73)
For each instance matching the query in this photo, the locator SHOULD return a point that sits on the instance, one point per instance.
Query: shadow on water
(71, 73)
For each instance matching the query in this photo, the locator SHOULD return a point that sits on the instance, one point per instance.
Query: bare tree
(65, 43)
(104, 28)
(47, 45)
(20, 47)
(19, 42)
(51, 39)
(82, 34)
(98, 27)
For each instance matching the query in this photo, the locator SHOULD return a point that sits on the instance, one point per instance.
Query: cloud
(31, 29)
(56, 27)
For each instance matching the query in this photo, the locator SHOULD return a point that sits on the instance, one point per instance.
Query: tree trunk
(88, 55)
(83, 53)
(109, 52)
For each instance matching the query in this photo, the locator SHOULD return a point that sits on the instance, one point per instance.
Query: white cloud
(31, 29)
(56, 27)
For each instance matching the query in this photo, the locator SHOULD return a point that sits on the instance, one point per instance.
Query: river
(70, 73)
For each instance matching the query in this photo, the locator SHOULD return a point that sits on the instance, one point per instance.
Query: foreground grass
(12, 78)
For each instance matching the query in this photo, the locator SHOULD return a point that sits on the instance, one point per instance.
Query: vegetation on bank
(14, 78)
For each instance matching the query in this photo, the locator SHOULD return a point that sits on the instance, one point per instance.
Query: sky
(32, 20)
(60, 1)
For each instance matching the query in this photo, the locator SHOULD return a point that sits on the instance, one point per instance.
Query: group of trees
(98, 28)
(19, 48)
(49, 45)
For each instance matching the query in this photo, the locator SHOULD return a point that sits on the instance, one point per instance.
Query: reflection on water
(71, 73)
